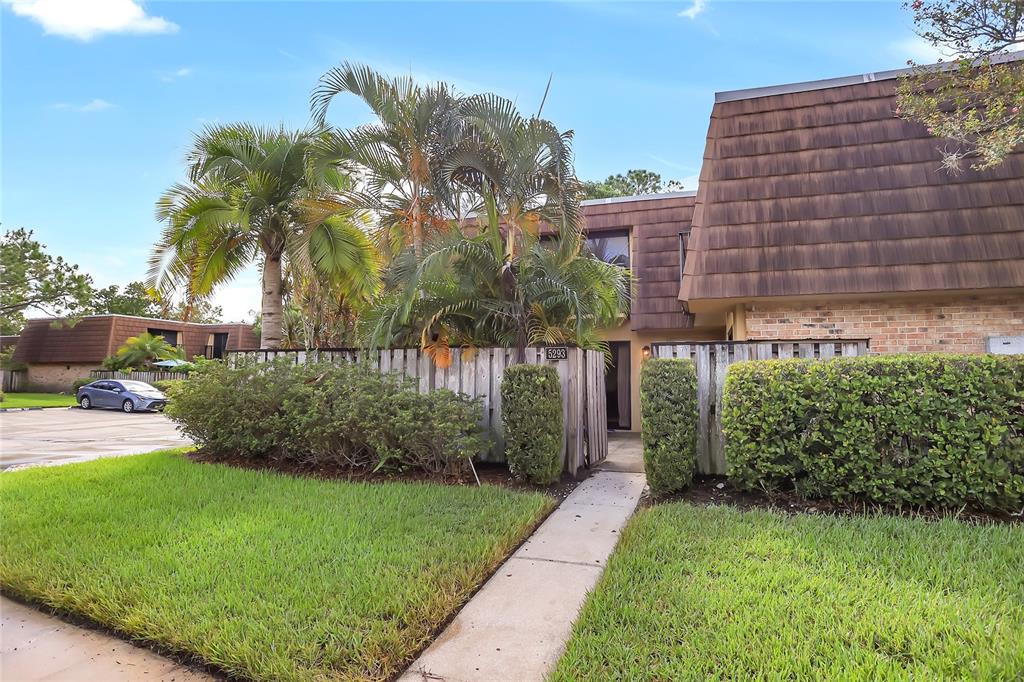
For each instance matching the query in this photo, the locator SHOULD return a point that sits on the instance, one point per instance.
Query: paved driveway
(57, 436)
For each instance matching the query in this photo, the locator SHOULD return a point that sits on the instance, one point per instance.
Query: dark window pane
(611, 247)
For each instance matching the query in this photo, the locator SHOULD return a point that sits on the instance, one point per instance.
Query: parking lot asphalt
(58, 436)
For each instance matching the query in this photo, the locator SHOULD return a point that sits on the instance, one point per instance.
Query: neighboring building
(820, 214)
(58, 354)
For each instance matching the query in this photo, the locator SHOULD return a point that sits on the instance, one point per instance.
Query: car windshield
(137, 386)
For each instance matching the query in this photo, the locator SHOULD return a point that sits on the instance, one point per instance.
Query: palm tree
(468, 290)
(145, 349)
(400, 157)
(249, 199)
(526, 164)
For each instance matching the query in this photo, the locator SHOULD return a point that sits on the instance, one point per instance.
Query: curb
(28, 409)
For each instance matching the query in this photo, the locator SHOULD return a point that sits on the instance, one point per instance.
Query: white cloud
(88, 19)
(919, 50)
(695, 9)
(169, 76)
(89, 107)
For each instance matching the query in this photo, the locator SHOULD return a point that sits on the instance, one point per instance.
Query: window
(611, 247)
(683, 238)
(169, 335)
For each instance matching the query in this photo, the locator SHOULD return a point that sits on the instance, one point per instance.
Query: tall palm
(400, 156)
(468, 290)
(525, 163)
(249, 199)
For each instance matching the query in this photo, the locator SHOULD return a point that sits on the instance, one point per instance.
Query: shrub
(668, 405)
(315, 415)
(531, 400)
(166, 385)
(938, 430)
(78, 383)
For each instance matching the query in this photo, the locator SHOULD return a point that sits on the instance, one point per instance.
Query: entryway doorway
(618, 390)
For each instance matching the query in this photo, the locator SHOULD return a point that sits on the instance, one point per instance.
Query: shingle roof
(657, 221)
(822, 190)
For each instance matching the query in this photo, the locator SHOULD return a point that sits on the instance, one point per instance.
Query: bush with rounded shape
(342, 416)
(668, 405)
(531, 409)
(922, 430)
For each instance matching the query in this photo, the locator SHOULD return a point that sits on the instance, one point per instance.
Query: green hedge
(531, 404)
(936, 430)
(78, 383)
(668, 403)
(321, 414)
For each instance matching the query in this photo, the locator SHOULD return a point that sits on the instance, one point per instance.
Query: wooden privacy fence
(712, 360)
(142, 375)
(13, 380)
(478, 374)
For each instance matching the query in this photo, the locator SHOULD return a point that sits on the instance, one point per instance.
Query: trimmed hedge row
(935, 430)
(346, 416)
(668, 403)
(531, 399)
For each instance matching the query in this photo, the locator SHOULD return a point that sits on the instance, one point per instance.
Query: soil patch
(717, 490)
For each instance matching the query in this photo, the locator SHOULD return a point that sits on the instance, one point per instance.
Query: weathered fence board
(712, 361)
(13, 380)
(479, 374)
(148, 377)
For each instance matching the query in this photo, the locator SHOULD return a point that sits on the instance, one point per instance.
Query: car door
(102, 394)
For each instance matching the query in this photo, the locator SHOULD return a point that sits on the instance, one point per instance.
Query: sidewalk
(36, 646)
(516, 627)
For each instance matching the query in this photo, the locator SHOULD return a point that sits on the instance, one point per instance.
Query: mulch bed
(716, 490)
(490, 474)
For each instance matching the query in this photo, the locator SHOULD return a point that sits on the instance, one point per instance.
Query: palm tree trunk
(417, 224)
(270, 329)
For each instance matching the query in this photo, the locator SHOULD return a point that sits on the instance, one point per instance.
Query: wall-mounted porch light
(645, 352)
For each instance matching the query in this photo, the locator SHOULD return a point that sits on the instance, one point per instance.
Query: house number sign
(556, 353)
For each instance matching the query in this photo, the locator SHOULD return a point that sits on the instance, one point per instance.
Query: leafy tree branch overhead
(35, 281)
(976, 102)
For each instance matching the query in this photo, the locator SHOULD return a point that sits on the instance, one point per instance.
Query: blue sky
(100, 97)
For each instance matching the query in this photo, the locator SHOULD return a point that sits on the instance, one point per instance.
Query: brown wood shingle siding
(827, 192)
(654, 226)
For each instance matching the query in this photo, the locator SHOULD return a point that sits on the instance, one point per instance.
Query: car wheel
(128, 406)
(85, 403)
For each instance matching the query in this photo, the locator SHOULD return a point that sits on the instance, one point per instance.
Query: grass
(262, 575)
(36, 400)
(696, 593)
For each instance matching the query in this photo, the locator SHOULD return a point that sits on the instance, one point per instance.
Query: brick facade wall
(958, 325)
(56, 378)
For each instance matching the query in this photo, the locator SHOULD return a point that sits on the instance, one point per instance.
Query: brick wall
(958, 325)
(57, 378)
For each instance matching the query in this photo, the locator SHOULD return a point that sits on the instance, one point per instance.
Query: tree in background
(633, 183)
(33, 280)
(520, 166)
(399, 157)
(132, 299)
(468, 290)
(977, 101)
(250, 199)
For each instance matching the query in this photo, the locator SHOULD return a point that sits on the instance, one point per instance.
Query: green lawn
(266, 576)
(36, 400)
(696, 593)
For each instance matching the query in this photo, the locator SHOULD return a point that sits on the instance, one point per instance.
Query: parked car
(127, 396)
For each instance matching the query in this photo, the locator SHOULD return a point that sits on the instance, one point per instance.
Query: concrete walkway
(36, 646)
(516, 626)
